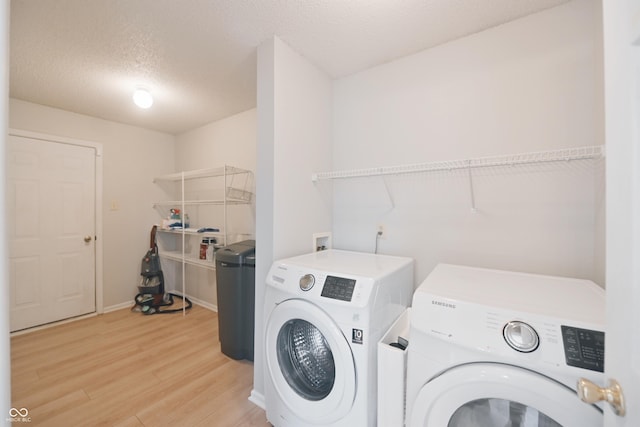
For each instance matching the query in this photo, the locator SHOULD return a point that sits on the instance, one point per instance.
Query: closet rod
(565, 154)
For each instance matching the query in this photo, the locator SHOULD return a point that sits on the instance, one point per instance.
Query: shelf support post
(183, 218)
(473, 199)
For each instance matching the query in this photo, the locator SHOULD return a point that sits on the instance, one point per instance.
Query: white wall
(529, 85)
(230, 141)
(294, 138)
(132, 157)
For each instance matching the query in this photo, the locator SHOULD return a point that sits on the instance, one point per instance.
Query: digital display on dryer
(338, 288)
(583, 348)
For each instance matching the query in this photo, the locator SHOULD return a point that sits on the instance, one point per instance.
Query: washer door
(310, 362)
(485, 394)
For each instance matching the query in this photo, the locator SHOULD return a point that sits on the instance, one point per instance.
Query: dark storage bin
(249, 286)
(235, 277)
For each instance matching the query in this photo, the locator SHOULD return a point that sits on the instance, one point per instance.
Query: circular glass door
(499, 412)
(306, 360)
(310, 362)
(492, 394)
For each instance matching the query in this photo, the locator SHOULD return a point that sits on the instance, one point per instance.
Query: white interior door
(622, 112)
(51, 226)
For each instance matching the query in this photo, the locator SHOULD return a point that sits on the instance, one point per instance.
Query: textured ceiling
(198, 57)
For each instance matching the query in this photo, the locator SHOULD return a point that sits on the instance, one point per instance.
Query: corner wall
(294, 139)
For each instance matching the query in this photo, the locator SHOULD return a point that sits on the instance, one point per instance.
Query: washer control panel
(338, 288)
(583, 348)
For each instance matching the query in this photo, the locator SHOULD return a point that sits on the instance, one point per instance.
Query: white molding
(257, 399)
(109, 309)
(117, 307)
(55, 138)
(129, 304)
(52, 324)
(202, 303)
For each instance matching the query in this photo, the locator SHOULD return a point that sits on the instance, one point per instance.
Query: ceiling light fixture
(142, 98)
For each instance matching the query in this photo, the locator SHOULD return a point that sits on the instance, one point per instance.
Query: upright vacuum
(151, 297)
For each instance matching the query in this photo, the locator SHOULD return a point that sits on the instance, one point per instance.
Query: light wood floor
(128, 369)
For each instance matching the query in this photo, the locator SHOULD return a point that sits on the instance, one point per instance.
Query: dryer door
(492, 394)
(309, 361)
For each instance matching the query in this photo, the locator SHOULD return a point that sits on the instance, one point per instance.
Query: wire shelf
(203, 173)
(562, 155)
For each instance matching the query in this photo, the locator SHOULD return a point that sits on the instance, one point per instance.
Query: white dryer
(324, 314)
(495, 348)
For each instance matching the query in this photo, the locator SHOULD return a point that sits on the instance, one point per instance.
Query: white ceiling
(198, 57)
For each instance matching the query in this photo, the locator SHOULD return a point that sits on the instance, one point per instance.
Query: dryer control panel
(583, 348)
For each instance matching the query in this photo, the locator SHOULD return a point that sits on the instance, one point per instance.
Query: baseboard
(52, 324)
(109, 309)
(257, 399)
(129, 304)
(201, 303)
(116, 307)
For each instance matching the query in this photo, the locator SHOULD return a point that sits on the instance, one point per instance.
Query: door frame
(97, 147)
(621, 47)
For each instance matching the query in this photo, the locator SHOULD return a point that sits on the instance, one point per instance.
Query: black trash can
(235, 281)
(249, 286)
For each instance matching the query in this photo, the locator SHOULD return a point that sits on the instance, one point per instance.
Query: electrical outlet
(381, 232)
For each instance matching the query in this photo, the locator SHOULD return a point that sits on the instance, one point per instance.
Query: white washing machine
(496, 348)
(324, 315)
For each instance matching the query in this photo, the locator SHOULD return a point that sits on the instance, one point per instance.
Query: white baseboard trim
(105, 310)
(52, 324)
(257, 399)
(201, 303)
(116, 307)
(129, 304)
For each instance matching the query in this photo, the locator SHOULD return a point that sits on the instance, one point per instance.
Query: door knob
(592, 393)
(87, 239)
